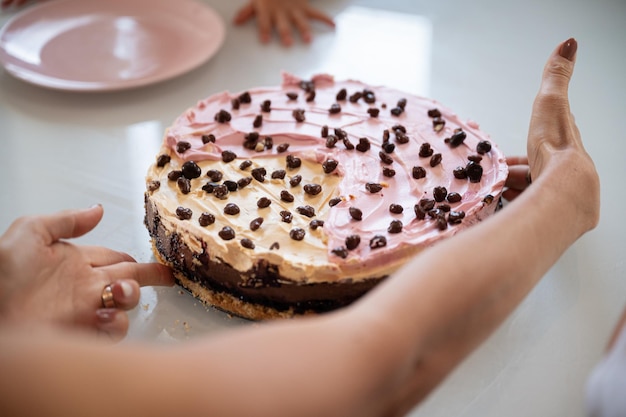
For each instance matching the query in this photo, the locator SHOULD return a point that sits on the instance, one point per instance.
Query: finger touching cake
(300, 198)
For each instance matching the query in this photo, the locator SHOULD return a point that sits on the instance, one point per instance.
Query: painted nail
(568, 49)
(106, 315)
(127, 289)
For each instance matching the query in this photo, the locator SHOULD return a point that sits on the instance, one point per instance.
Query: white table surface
(484, 59)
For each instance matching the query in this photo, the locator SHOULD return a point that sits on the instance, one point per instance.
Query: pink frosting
(355, 168)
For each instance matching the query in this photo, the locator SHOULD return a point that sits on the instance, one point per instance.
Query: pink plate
(104, 45)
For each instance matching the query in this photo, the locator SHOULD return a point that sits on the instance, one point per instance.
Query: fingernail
(95, 205)
(127, 289)
(568, 49)
(106, 315)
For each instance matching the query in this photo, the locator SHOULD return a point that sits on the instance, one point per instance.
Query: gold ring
(107, 297)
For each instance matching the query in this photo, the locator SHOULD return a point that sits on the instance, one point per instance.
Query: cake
(300, 198)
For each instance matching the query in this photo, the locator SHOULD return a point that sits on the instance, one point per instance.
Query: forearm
(452, 296)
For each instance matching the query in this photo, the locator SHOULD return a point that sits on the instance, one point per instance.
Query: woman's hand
(283, 15)
(44, 278)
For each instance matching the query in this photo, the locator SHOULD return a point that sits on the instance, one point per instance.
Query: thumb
(559, 69)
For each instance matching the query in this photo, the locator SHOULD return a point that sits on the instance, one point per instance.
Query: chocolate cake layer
(262, 284)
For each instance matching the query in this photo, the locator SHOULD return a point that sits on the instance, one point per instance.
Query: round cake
(300, 198)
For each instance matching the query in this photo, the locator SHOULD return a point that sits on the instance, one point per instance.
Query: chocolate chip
(355, 213)
(232, 209)
(340, 251)
(183, 213)
(259, 174)
(435, 160)
(292, 96)
(163, 160)
(396, 208)
(286, 216)
(373, 187)
(315, 223)
(266, 106)
(426, 204)
(154, 185)
(386, 135)
(340, 133)
(245, 164)
(312, 189)
(457, 138)
(228, 156)
(418, 172)
(307, 211)
(220, 191)
(395, 226)
(307, 85)
(425, 150)
(488, 199)
(293, 162)
(474, 171)
(209, 187)
(182, 146)
(331, 141)
(227, 233)
(222, 116)
(401, 138)
(440, 193)
(355, 97)
(206, 219)
(274, 246)
(353, 241)
(215, 175)
(483, 147)
(310, 96)
(363, 145)
(342, 95)
(385, 158)
(191, 170)
(247, 243)
(388, 147)
(231, 185)
(453, 197)
(269, 142)
(324, 131)
(298, 114)
(245, 97)
(373, 111)
(441, 222)
(402, 103)
(397, 111)
(368, 96)
(174, 175)
(258, 121)
(295, 180)
(244, 182)
(235, 103)
(460, 173)
(389, 172)
(475, 158)
(184, 185)
(297, 233)
(329, 165)
(444, 207)
(455, 217)
(334, 108)
(282, 147)
(263, 202)
(420, 214)
(256, 223)
(210, 138)
(438, 124)
(286, 196)
(378, 241)
(434, 113)
(346, 142)
(279, 174)
(334, 201)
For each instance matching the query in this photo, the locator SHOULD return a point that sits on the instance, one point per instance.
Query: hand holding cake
(46, 279)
